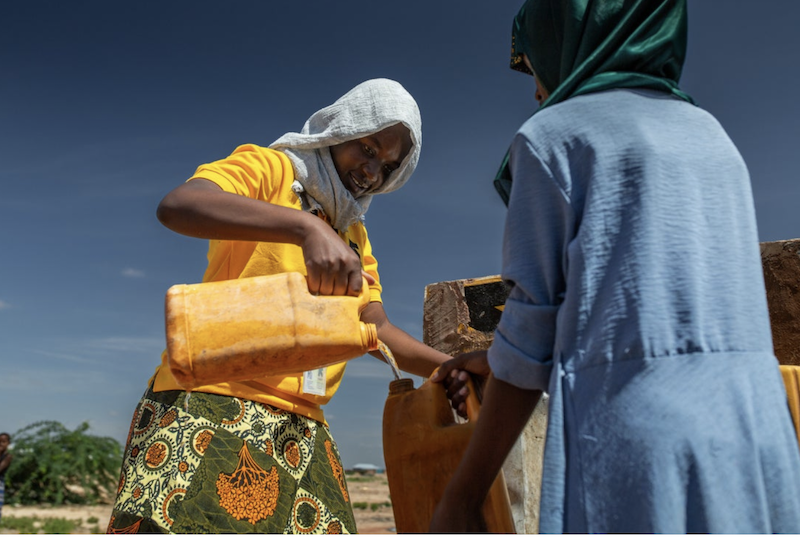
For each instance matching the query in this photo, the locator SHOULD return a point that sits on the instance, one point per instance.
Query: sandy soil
(369, 490)
(373, 490)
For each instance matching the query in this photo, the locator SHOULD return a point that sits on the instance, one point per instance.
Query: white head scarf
(366, 109)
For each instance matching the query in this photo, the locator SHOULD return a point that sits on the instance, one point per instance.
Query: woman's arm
(412, 356)
(504, 413)
(200, 208)
(540, 223)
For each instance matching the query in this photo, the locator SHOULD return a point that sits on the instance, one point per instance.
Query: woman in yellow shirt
(257, 456)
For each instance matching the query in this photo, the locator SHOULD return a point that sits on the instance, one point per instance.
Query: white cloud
(125, 344)
(133, 273)
(63, 356)
(4, 305)
(79, 348)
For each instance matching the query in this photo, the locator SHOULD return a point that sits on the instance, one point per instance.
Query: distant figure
(638, 298)
(257, 455)
(5, 462)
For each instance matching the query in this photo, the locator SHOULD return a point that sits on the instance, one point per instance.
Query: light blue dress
(639, 305)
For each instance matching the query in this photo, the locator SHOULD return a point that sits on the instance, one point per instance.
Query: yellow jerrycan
(242, 329)
(422, 447)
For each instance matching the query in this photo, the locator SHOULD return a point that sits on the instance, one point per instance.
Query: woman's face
(541, 92)
(364, 164)
(4, 441)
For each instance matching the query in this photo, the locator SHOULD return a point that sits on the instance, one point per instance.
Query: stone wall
(781, 261)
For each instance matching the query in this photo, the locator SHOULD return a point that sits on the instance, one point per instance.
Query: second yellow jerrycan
(246, 328)
(422, 447)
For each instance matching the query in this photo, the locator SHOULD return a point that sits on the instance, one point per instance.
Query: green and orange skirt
(217, 464)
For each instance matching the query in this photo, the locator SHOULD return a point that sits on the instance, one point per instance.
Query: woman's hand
(200, 208)
(332, 267)
(455, 373)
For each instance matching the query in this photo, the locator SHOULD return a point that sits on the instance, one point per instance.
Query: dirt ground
(369, 490)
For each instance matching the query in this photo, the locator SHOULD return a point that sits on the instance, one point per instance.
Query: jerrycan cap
(401, 386)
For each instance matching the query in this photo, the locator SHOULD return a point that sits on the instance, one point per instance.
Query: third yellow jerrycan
(246, 328)
(422, 447)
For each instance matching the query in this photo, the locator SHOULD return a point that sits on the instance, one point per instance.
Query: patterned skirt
(218, 464)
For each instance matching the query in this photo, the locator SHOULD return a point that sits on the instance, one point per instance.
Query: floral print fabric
(204, 463)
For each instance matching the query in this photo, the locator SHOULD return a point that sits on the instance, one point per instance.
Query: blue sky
(106, 106)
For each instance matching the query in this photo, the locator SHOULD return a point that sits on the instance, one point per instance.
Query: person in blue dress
(637, 299)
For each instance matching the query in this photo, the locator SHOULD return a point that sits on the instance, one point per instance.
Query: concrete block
(781, 262)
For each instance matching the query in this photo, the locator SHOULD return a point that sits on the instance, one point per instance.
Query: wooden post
(781, 262)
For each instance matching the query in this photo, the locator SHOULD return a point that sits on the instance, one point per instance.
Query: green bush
(56, 466)
(376, 506)
(359, 505)
(58, 525)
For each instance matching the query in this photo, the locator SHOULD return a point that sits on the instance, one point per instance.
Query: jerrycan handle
(364, 296)
(473, 401)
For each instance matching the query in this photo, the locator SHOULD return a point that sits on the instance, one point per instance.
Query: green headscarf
(582, 46)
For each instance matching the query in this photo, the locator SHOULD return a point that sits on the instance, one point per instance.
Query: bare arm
(200, 208)
(504, 413)
(412, 356)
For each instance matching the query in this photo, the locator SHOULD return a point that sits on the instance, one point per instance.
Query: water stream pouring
(389, 357)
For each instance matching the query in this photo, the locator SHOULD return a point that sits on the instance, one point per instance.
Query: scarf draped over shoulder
(364, 110)
(583, 46)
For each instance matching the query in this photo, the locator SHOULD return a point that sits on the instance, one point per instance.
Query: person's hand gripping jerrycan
(422, 447)
(242, 329)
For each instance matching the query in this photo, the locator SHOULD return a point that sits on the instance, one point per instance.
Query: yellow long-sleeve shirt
(267, 175)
